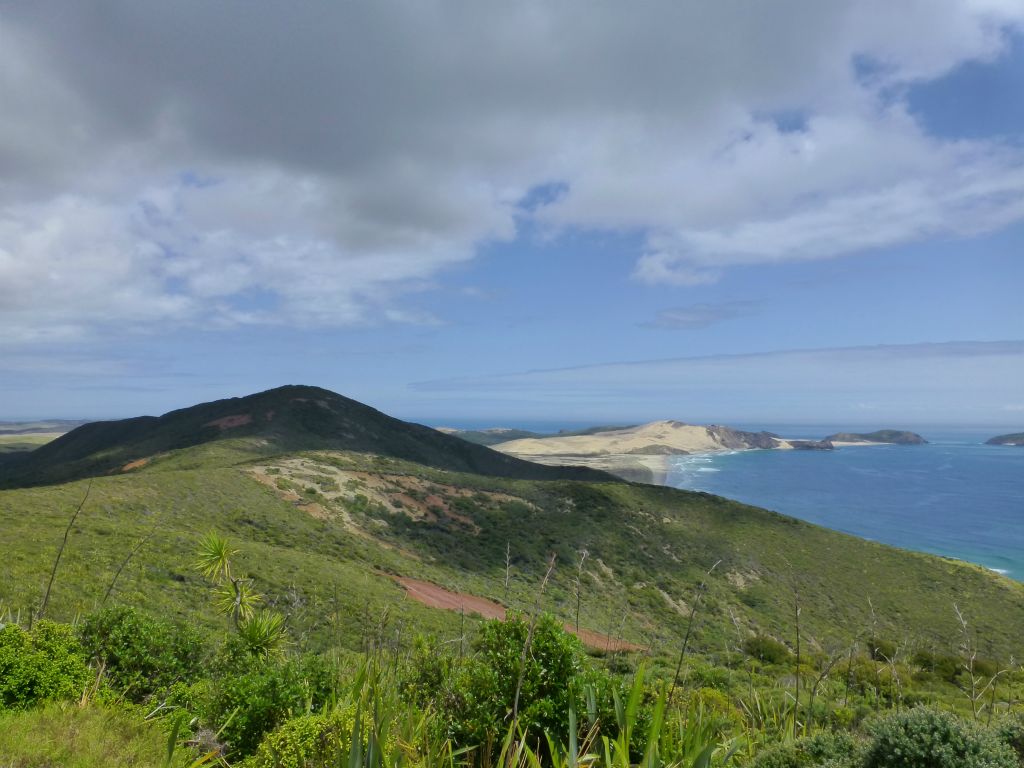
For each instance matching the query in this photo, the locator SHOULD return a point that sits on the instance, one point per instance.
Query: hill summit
(286, 419)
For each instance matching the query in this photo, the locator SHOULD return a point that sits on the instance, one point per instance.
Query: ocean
(955, 496)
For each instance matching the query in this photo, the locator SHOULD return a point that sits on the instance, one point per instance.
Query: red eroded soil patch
(437, 597)
(227, 422)
(603, 642)
(137, 464)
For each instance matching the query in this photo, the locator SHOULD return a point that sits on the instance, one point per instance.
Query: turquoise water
(953, 497)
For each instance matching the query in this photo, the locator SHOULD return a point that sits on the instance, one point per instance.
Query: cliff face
(736, 439)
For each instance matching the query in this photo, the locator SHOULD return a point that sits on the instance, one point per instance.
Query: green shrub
(929, 738)
(310, 741)
(767, 650)
(1010, 731)
(834, 750)
(142, 654)
(476, 696)
(248, 704)
(881, 650)
(46, 663)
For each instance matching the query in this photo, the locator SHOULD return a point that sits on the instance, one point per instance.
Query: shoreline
(653, 468)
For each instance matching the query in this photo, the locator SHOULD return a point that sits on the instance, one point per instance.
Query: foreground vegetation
(125, 688)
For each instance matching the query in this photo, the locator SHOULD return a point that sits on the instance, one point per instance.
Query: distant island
(1017, 438)
(889, 436)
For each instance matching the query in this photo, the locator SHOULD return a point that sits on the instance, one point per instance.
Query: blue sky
(809, 215)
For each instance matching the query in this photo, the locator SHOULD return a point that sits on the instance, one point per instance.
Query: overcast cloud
(216, 164)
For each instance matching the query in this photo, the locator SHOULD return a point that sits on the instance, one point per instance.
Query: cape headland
(642, 453)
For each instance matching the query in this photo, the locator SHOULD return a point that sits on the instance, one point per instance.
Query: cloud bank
(189, 163)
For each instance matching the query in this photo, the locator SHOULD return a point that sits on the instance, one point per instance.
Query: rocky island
(889, 436)
(1017, 438)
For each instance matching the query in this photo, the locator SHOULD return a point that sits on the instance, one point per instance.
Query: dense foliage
(46, 663)
(250, 696)
(142, 654)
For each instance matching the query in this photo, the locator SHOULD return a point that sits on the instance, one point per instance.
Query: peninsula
(641, 453)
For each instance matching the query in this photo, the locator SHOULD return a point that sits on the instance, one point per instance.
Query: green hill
(275, 421)
(326, 533)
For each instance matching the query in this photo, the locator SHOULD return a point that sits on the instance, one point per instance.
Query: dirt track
(438, 597)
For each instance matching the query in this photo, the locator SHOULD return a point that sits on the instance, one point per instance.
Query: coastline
(654, 468)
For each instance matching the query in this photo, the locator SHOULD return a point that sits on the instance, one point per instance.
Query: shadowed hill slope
(279, 420)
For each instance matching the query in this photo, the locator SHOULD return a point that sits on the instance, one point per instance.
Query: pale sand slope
(637, 453)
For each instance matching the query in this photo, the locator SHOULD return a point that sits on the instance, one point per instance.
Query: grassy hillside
(324, 532)
(282, 419)
(24, 442)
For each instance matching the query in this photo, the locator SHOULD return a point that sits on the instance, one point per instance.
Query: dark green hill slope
(279, 420)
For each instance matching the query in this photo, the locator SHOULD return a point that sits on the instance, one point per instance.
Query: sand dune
(638, 453)
(657, 438)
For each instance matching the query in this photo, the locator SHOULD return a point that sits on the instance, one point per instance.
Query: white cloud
(343, 155)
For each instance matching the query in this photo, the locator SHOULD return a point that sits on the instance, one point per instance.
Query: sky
(493, 212)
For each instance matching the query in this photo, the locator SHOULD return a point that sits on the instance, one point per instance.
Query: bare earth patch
(137, 464)
(228, 422)
(418, 498)
(437, 597)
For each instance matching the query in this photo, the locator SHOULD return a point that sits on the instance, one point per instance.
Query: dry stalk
(702, 587)
(60, 552)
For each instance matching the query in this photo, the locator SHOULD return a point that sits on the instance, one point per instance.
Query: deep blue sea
(955, 496)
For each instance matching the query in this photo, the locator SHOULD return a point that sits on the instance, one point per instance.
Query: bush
(767, 650)
(1010, 731)
(142, 654)
(475, 697)
(248, 704)
(928, 738)
(311, 741)
(835, 750)
(46, 663)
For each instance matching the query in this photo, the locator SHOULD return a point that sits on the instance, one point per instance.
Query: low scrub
(46, 663)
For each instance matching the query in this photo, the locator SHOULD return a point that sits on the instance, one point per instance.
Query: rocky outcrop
(1016, 438)
(737, 439)
(811, 445)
